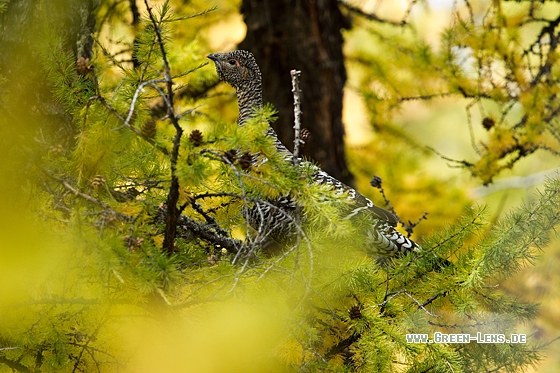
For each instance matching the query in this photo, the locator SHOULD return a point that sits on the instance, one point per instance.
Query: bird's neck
(248, 99)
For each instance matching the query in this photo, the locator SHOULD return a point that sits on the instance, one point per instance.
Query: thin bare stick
(297, 115)
(370, 16)
(396, 293)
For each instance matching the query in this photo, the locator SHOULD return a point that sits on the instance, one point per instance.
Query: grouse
(239, 68)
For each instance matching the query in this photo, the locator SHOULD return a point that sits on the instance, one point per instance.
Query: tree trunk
(303, 35)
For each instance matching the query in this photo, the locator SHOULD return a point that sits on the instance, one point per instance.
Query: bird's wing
(360, 204)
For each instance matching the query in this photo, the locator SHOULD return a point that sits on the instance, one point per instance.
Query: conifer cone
(133, 243)
(196, 137)
(231, 155)
(82, 65)
(355, 312)
(488, 123)
(375, 181)
(149, 129)
(110, 216)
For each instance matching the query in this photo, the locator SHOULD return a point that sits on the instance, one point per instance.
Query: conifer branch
(460, 163)
(433, 298)
(527, 227)
(377, 183)
(514, 182)
(113, 111)
(464, 229)
(87, 197)
(210, 220)
(243, 197)
(170, 113)
(407, 12)
(392, 295)
(371, 16)
(262, 234)
(470, 126)
(80, 301)
(206, 233)
(135, 97)
(424, 97)
(117, 114)
(220, 236)
(168, 78)
(15, 365)
(188, 111)
(173, 194)
(197, 14)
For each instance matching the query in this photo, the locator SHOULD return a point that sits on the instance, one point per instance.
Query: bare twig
(430, 300)
(420, 305)
(376, 182)
(297, 115)
(410, 226)
(126, 121)
(210, 220)
(460, 163)
(469, 123)
(370, 16)
(424, 97)
(197, 14)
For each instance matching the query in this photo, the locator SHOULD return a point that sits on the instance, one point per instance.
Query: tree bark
(303, 35)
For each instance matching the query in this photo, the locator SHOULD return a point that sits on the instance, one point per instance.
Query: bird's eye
(232, 62)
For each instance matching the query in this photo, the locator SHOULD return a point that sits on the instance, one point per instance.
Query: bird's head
(238, 68)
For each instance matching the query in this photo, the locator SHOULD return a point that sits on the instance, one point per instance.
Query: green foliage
(4, 5)
(99, 293)
(495, 55)
(413, 298)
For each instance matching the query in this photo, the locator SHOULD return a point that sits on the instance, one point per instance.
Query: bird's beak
(213, 57)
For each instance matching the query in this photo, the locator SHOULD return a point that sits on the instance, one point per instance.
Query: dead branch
(297, 115)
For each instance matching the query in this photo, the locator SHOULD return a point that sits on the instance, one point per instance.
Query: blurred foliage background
(454, 104)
